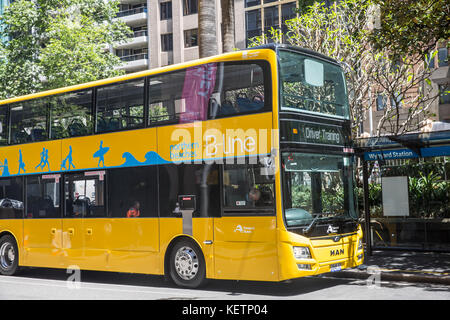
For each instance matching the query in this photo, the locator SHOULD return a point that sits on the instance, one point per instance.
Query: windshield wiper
(312, 224)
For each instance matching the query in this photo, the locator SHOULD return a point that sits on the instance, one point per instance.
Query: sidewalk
(402, 266)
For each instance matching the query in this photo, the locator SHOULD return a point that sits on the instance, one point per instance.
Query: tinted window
(133, 192)
(29, 121)
(241, 88)
(3, 125)
(43, 197)
(71, 114)
(11, 198)
(120, 106)
(189, 179)
(210, 91)
(247, 187)
(85, 194)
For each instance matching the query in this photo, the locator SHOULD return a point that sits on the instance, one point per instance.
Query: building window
(271, 18)
(190, 38)
(287, 13)
(253, 23)
(166, 10)
(190, 7)
(381, 102)
(442, 57)
(251, 3)
(444, 94)
(166, 42)
(429, 60)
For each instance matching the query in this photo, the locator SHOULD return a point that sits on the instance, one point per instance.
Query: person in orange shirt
(134, 210)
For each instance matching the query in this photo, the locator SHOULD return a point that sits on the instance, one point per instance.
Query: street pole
(366, 207)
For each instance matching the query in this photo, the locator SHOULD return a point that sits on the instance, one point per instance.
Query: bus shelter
(406, 191)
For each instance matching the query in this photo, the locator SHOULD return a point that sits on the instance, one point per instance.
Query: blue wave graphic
(151, 158)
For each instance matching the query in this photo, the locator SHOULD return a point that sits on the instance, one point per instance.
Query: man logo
(337, 252)
(332, 229)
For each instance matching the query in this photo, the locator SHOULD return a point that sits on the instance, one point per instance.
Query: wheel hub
(186, 263)
(7, 255)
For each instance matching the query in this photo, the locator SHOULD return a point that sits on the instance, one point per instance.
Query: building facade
(166, 31)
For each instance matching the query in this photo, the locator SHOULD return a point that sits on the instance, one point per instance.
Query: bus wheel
(9, 256)
(187, 264)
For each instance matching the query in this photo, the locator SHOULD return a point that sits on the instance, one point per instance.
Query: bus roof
(100, 82)
(277, 46)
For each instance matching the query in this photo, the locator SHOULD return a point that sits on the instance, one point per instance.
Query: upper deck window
(210, 91)
(312, 85)
(29, 121)
(120, 106)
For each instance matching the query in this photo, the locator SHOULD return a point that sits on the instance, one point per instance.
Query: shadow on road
(229, 287)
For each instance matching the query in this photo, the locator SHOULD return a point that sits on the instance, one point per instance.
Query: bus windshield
(312, 85)
(317, 186)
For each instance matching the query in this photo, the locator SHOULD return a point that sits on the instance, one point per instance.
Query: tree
(58, 43)
(411, 27)
(339, 32)
(227, 25)
(343, 31)
(207, 38)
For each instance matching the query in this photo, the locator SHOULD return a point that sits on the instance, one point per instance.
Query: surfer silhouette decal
(100, 154)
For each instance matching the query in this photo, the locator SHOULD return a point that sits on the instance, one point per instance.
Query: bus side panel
(133, 245)
(43, 243)
(245, 248)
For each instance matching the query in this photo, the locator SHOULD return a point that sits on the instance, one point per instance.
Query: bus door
(245, 236)
(83, 225)
(42, 224)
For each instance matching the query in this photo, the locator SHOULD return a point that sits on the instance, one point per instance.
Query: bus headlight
(360, 244)
(302, 253)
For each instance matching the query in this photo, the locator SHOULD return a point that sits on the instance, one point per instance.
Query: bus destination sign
(312, 133)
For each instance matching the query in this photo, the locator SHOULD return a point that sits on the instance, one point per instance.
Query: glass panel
(4, 125)
(211, 90)
(202, 181)
(251, 3)
(253, 23)
(29, 121)
(303, 88)
(43, 197)
(190, 7)
(133, 192)
(84, 194)
(243, 88)
(442, 57)
(120, 106)
(317, 186)
(11, 198)
(71, 114)
(247, 187)
(271, 18)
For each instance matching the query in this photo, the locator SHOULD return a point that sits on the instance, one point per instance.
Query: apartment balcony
(135, 62)
(133, 17)
(138, 39)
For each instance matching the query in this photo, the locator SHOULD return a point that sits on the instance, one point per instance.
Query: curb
(393, 276)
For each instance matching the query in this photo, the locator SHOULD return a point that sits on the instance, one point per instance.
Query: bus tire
(9, 256)
(187, 267)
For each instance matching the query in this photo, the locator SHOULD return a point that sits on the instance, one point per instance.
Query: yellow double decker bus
(237, 166)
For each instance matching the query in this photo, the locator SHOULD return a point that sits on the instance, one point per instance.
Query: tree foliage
(58, 43)
(344, 31)
(411, 27)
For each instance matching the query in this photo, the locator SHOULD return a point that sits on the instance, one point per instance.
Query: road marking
(90, 286)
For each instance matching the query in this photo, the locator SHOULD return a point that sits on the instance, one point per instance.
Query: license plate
(335, 267)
